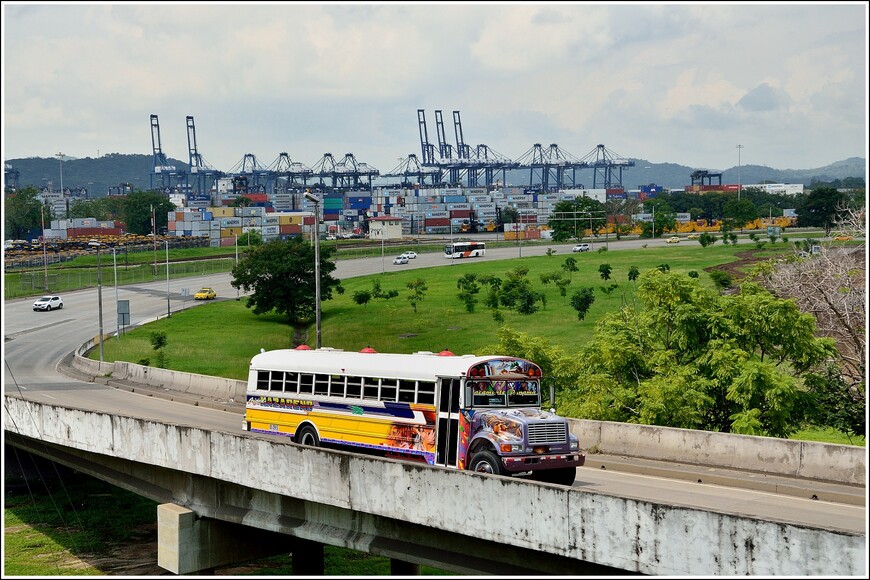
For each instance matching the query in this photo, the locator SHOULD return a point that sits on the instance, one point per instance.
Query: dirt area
(739, 268)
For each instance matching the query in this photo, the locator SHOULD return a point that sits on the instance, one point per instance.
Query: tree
(570, 266)
(820, 208)
(138, 211)
(582, 300)
(517, 292)
(571, 218)
(280, 277)
(362, 297)
(633, 273)
(241, 201)
(468, 290)
(686, 357)
(21, 213)
(831, 286)
(604, 270)
(418, 291)
(738, 214)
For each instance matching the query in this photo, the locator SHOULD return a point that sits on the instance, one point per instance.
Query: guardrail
(805, 459)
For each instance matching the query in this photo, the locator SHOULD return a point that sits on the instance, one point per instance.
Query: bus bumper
(540, 462)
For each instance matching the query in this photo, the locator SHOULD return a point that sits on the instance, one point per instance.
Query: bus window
(407, 390)
(426, 393)
(336, 386)
(488, 394)
(388, 389)
(263, 380)
(354, 387)
(523, 393)
(321, 384)
(306, 383)
(291, 382)
(370, 389)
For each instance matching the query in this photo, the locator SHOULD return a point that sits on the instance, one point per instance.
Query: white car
(410, 255)
(48, 303)
(400, 260)
(580, 248)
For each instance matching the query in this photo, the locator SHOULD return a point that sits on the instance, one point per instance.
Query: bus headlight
(575, 446)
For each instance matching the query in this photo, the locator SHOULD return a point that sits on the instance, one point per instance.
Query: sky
(666, 83)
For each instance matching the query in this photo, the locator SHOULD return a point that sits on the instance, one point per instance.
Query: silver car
(48, 303)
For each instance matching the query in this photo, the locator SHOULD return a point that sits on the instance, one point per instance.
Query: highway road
(35, 342)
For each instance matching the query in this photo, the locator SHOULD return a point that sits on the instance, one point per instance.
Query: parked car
(400, 259)
(205, 294)
(673, 240)
(410, 255)
(48, 303)
(580, 248)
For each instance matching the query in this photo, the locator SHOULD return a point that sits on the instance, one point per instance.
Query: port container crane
(169, 177)
(205, 176)
(607, 165)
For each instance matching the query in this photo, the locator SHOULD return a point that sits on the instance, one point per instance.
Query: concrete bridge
(228, 495)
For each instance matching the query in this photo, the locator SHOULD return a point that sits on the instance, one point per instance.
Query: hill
(98, 174)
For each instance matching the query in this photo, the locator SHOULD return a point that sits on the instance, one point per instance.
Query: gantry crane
(205, 176)
(607, 165)
(170, 178)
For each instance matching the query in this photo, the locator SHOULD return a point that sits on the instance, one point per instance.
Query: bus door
(448, 422)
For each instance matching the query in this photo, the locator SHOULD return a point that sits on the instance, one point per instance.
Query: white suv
(580, 248)
(48, 303)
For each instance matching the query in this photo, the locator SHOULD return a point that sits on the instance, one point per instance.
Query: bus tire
(561, 476)
(486, 462)
(307, 435)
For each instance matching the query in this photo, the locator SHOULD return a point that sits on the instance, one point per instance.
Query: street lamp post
(168, 311)
(44, 255)
(316, 201)
(117, 318)
(237, 262)
(60, 157)
(739, 147)
(96, 244)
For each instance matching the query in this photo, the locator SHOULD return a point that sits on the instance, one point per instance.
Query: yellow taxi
(694, 236)
(673, 240)
(205, 294)
(842, 238)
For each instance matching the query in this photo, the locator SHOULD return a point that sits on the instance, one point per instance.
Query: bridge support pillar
(187, 544)
(307, 558)
(402, 568)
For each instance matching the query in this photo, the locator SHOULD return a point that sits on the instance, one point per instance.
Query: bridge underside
(301, 522)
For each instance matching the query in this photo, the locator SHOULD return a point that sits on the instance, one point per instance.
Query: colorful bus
(480, 413)
(464, 249)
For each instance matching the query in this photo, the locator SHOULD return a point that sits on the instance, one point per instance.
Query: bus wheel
(486, 462)
(306, 435)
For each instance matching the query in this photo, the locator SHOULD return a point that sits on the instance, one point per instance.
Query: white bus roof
(418, 366)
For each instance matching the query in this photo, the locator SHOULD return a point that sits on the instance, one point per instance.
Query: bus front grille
(547, 433)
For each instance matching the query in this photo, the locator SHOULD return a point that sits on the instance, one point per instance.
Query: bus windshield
(508, 393)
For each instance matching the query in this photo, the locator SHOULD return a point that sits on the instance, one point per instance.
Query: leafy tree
(21, 213)
(468, 291)
(517, 292)
(739, 213)
(633, 273)
(418, 291)
(509, 215)
(663, 267)
(608, 290)
(686, 357)
(706, 239)
(241, 201)
(582, 300)
(721, 279)
(138, 211)
(280, 276)
(820, 208)
(570, 218)
(604, 270)
(362, 297)
(251, 238)
(570, 265)
(378, 292)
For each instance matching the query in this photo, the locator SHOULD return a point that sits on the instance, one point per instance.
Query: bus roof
(417, 366)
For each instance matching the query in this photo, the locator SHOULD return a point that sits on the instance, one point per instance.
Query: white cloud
(664, 82)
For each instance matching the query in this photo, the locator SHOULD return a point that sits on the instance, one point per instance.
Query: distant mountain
(98, 174)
